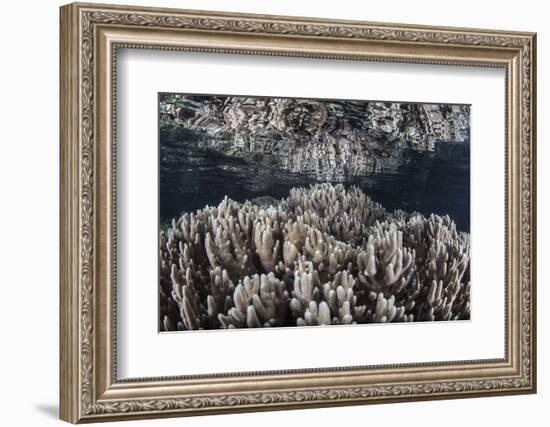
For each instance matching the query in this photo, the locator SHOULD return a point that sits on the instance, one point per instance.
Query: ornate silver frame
(90, 36)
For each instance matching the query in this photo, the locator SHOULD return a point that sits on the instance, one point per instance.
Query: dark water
(426, 182)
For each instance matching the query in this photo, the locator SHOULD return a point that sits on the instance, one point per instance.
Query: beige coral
(325, 255)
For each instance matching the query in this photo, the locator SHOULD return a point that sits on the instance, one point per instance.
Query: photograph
(278, 212)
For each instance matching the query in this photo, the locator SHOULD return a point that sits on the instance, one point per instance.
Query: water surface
(426, 181)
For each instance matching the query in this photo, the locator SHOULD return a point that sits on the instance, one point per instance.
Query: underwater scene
(303, 212)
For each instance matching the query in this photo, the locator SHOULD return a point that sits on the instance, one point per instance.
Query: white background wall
(29, 170)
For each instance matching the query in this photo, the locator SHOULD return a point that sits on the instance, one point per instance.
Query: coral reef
(324, 255)
(328, 139)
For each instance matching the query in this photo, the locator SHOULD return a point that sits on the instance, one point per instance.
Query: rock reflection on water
(328, 139)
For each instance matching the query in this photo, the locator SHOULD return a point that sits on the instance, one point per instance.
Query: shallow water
(426, 182)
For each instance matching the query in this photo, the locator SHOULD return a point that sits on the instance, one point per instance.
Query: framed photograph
(266, 212)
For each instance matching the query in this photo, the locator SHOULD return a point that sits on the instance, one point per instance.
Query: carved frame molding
(90, 35)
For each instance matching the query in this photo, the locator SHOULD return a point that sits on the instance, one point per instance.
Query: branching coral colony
(325, 255)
